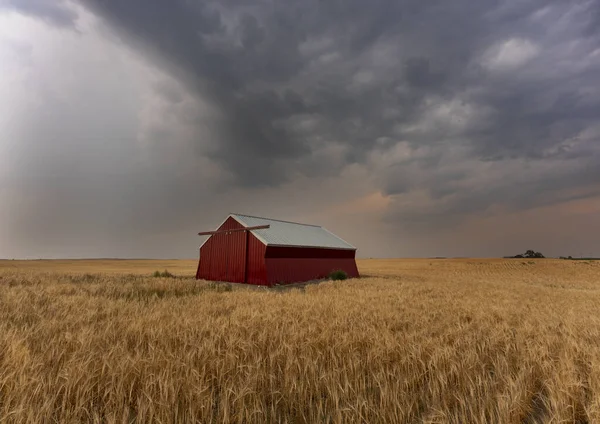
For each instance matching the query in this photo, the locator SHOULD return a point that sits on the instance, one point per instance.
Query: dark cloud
(248, 59)
(55, 12)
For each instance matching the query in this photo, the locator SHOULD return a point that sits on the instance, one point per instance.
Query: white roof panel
(284, 233)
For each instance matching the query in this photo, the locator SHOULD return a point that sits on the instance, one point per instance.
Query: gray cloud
(452, 109)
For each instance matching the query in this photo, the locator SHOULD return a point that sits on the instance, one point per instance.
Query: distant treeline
(534, 254)
(578, 259)
(528, 254)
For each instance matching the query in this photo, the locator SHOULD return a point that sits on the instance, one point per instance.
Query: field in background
(105, 266)
(424, 340)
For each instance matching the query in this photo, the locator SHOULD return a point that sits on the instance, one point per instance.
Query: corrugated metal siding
(222, 257)
(204, 261)
(292, 270)
(283, 233)
(257, 270)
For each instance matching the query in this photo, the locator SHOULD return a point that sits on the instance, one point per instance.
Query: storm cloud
(452, 112)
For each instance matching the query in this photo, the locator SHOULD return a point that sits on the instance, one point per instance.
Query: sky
(408, 128)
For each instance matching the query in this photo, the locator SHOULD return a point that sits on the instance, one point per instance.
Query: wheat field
(412, 341)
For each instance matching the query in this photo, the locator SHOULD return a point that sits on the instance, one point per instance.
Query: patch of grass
(85, 278)
(164, 274)
(338, 275)
(220, 287)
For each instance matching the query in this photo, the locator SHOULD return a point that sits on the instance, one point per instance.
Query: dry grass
(460, 341)
(104, 266)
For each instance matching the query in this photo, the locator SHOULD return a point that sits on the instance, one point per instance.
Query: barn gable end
(230, 257)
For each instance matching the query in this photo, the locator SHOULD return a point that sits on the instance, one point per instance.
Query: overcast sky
(408, 127)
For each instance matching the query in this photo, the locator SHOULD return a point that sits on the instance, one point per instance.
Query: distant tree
(533, 254)
(529, 254)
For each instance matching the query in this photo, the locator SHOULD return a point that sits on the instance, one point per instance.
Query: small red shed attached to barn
(262, 251)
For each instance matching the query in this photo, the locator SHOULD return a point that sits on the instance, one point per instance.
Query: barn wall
(223, 257)
(257, 271)
(288, 269)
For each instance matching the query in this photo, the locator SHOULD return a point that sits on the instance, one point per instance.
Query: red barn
(253, 250)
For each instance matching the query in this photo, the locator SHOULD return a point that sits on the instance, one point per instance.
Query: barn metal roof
(285, 233)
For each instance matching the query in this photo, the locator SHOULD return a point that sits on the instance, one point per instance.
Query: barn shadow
(275, 288)
(299, 286)
(285, 287)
